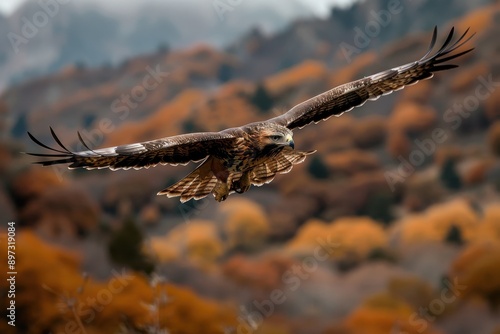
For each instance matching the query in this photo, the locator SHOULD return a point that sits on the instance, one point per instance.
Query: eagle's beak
(289, 141)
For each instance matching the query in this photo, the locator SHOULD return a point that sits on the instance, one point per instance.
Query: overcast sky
(320, 7)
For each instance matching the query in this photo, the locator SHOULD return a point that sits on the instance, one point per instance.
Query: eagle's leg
(221, 191)
(243, 184)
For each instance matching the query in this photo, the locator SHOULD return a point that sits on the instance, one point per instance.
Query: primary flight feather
(236, 158)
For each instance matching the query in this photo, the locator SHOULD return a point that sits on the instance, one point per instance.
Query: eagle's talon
(241, 190)
(221, 192)
(220, 197)
(242, 185)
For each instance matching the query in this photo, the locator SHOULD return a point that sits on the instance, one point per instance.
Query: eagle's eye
(275, 137)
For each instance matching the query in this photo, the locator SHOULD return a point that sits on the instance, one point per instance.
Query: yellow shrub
(476, 269)
(246, 224)
(198, 240)
(306, 239)
(356, 236)
(383, 313)
(458, 213)
(489, 228)
(435, 223)
(353, 237)
(188, 313)
(162, 250)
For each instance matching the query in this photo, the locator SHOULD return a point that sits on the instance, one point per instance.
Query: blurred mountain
(347, 33)
(42, 39)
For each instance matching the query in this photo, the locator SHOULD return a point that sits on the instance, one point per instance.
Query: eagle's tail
(198, 184)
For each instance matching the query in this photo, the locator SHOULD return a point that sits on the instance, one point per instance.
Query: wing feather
(198, 184)
(282, 164)
(174, 150)
(354, 94)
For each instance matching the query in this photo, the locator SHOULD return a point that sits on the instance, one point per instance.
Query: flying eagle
(234, 159)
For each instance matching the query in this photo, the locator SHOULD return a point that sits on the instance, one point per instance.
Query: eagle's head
(276, 136)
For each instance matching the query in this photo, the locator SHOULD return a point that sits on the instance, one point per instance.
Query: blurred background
(393, 226)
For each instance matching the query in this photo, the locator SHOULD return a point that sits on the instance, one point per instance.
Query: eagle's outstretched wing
(171, 150)
(353, 94)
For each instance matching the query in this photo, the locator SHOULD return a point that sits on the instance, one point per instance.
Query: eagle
(234, 159)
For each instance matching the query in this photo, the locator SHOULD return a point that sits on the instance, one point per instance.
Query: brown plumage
(236, 158)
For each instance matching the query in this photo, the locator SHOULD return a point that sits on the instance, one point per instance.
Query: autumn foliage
(197, 241)
(31, 183)
(62, 212)
(353, 237)
(246, 225)
(433, 224)
(54, 304)
(369, 132)
(412, 118)
(477, 269)
(494, 138)
(384, 313)
(281, 83)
